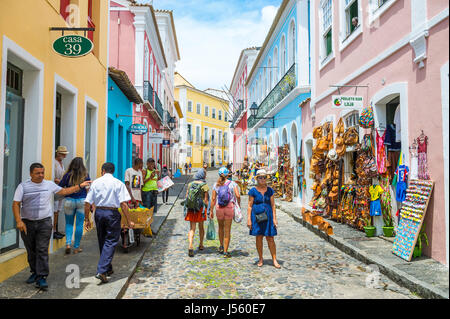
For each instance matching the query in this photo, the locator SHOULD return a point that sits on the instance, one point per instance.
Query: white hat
(261, 172)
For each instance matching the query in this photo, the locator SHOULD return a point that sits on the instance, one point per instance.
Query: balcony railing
(279, 92)
(148, 92)
(158, 107)
(236, 115)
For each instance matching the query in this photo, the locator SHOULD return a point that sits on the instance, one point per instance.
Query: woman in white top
(225, 194)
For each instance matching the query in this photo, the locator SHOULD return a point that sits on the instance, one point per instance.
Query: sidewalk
(124, 265)
(424, 276)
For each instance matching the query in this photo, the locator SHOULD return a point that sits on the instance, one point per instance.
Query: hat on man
(62, 150)
(224, 171)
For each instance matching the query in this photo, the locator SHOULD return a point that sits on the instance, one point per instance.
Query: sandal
(260, 263)
(77, 250)
(191, 253)
(227, 255)
(68, 250)
(201, 247)
(221, 250)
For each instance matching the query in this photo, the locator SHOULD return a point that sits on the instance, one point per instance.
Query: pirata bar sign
(347, 102)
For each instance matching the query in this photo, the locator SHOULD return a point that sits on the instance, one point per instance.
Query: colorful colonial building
(240, 105)
(205, 128)
(47, 100)
(397, 52)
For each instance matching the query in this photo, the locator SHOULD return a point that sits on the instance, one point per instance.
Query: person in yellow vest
(150, 188)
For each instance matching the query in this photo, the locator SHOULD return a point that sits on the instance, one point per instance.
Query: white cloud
(210, 50)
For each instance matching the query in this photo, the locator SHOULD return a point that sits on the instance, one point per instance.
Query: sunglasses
(261, 177)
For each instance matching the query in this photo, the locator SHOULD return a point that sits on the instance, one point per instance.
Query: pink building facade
(398, 51)
(240, 106)
(135, 47)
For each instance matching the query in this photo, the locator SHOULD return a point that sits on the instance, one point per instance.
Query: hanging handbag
(366, 118)
(351, 136)
(261, 217)
(317, 132)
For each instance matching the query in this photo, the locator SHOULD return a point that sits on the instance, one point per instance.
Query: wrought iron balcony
(148, 92)
(158, 107)
(279, 92)
(237, 114)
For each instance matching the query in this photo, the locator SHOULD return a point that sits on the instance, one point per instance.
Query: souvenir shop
(360, 177)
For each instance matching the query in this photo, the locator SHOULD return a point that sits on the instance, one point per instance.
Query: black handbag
(262, 217)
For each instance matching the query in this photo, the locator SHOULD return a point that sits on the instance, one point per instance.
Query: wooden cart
(142, 219)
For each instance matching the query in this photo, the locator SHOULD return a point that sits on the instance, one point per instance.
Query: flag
(400, 162)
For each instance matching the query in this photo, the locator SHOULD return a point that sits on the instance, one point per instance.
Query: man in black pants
(107, 193)
(33, 212)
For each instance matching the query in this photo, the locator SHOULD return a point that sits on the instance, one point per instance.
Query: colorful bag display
(366, 118)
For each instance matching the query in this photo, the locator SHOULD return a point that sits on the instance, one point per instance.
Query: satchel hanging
(262, 217)
(366, 118)
(237, 213)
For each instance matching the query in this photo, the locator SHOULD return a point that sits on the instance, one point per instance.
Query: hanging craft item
(351, 136)
(381, 153)
(422, 143)
(366, 118)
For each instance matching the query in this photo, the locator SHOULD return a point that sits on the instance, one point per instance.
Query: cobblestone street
(311, 267)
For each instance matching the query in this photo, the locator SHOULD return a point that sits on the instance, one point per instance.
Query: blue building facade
(278, 83)
(121, 95)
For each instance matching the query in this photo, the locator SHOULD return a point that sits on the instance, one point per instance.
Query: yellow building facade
(47, 100)
(205, 129)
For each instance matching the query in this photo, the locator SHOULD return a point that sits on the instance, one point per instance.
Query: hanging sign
(138, 129)
(347, 102)
(73, 46)
(166, 143)
(156, 138)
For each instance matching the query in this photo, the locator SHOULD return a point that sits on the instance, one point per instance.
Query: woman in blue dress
(261, 200)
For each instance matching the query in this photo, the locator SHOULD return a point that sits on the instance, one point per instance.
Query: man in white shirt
(133, 182)
(107, 194)
(33, 212)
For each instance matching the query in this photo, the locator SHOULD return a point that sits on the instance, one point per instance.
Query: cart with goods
(142, 218)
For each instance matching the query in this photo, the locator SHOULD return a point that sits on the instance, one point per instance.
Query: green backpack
(194, 200)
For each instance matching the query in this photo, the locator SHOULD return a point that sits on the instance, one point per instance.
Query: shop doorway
(90, 147)
(13, 155)
(65, 118)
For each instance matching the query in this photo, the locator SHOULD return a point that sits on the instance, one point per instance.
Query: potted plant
(418, 248)
(369, 229)
(388, 228)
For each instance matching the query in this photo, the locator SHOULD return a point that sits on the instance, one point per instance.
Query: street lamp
(172, 123)
(254, 111)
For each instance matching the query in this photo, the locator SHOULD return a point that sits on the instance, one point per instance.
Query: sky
(212, 33)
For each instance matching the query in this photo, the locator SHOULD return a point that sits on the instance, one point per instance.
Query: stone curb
(125, 286)
(415, 285)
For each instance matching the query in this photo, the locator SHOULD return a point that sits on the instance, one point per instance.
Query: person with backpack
(196, 203)
(225, 196)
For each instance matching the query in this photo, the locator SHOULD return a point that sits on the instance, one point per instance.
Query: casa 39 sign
(73, 46)
(347, 102)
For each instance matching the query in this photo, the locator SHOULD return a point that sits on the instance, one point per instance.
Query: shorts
(375, 208)
(226, 212)
(400, 194)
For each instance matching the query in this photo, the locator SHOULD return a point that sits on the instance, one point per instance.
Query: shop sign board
(166, 143)
(156, 138)
(138, 129)
(73, 46)
(347, 102)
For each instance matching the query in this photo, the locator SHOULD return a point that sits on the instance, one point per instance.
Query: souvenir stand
(412, 215)
(285, 180)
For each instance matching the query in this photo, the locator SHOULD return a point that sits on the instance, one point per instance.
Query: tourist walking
(190, 167)
(133, 181)
(74, 203)
(261, 216)
(230, 172)
(32, 208)
(185, 168)
(150, 188)
(61, 153)
(107, 194)
(225, 196)
(197, 198)
(165, 194)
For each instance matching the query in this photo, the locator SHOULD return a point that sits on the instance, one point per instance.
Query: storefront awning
(125, 85)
